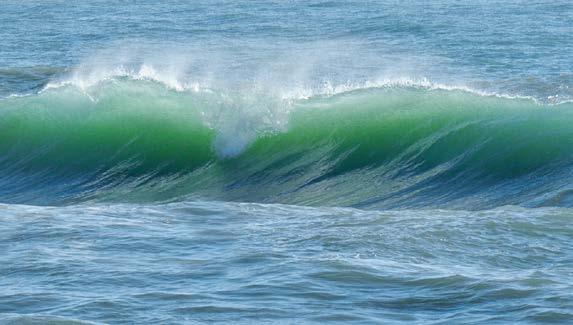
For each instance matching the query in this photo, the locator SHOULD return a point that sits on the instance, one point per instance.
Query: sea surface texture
(180, 162)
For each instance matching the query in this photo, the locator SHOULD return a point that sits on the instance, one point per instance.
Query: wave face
(387, 147)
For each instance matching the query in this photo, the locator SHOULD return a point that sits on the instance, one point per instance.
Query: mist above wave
(286, 71)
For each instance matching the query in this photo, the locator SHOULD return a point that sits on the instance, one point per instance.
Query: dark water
(286, 162)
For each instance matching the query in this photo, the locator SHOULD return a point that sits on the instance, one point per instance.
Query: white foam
(329, 89)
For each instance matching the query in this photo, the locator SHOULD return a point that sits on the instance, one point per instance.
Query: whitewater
(286, 162)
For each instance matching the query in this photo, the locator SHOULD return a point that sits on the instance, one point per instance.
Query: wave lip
(402, 145)
(92, 78)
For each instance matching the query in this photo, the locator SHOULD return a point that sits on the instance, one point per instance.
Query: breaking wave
(390, 144)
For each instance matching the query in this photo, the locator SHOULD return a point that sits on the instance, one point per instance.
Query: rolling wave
(403, 146)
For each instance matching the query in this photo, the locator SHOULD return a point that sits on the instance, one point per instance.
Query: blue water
(286, 162)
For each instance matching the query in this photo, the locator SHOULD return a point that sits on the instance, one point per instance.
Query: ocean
(183, 162)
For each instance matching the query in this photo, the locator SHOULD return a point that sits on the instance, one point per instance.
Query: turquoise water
(286, 162)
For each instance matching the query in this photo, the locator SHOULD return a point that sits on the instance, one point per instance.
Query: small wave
(15, 319)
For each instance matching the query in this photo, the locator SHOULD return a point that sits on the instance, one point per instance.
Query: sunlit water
(286, 162)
